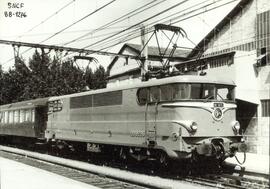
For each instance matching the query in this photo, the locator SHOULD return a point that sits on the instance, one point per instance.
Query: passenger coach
(23, 121)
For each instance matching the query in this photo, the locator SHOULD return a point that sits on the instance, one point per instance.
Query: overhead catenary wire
(137, 29)
(72, 24)
(128, 37)
(48, 18)
(148, 24)
(139, 23)
(208, 10)
(118, 20)
(185, 14)
(151, 29)
(174, 5)
(65, 32)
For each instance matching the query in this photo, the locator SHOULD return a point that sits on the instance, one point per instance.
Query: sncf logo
(217, 114)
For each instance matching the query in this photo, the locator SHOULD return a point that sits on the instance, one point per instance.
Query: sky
(39, 21)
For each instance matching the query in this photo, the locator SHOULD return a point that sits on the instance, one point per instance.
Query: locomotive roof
(154, 82)
(25, 104)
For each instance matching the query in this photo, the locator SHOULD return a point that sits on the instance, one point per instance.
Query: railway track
(100, 181)
(229, 181)
(106, 180)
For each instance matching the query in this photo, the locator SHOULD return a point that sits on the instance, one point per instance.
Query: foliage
(45, 76)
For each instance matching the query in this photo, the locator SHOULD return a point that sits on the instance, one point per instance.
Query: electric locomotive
(179, 117)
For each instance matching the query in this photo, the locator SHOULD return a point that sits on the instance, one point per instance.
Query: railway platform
(254, 163)
(17, 175)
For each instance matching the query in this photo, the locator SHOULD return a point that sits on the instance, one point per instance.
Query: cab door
(151, 124)
(151, 116)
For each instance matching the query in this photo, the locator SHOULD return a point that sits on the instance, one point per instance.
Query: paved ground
(254, 162)
(14, 175)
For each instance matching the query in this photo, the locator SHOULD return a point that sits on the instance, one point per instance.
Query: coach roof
(25, 104)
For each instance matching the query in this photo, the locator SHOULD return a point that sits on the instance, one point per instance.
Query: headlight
(193, 126)
(175, 136)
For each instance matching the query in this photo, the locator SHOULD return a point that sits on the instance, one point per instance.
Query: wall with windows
(122, 64)
(238, 31)
(124, 80)
(264, 110)
(248, 33)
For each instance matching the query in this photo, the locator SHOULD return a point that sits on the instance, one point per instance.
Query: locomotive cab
(201, 116)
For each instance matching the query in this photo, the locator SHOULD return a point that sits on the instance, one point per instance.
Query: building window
(262, 57)
(265, 108)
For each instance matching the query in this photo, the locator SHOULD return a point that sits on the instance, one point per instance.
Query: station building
(238, 48)
(122, 70)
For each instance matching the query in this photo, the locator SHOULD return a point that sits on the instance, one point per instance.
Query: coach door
(41, 120)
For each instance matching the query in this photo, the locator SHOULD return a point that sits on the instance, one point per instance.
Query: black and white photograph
(134, 94)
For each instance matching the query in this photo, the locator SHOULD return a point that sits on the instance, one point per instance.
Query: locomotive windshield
(186, 91)
(203, 92)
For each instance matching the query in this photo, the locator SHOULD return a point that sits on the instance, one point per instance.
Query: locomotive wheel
(123, 154)
(163, 159)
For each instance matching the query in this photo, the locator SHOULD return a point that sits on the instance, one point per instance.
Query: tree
(98, 78)
(46, 77)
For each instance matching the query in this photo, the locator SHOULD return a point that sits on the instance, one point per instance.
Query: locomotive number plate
(137, 134)
(218, 105)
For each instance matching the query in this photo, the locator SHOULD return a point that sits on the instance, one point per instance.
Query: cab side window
(143, 96)
(166, 93)
(154, 94)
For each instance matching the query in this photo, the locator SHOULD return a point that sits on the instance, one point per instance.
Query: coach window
(6, 117)
(22, 116)
(1, 117)
(28, 115)
(16, 116)
(142, 96)
(154, 94)
(10, 117)
(166, 92)
(33, 115)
